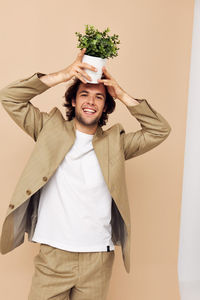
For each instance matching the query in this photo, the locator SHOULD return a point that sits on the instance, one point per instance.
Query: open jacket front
(54, 136)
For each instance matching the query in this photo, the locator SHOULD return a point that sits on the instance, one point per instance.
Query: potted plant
(100, 46)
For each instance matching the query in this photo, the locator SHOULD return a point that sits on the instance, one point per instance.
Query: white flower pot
(98, 63)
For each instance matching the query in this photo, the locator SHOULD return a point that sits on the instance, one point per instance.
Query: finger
(83, 73)
(105, 71)
(81, 54)
(108, 83)
(80, 77)
(87, 66)
(105, 81)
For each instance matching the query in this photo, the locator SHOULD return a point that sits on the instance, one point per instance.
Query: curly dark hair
(71, 94)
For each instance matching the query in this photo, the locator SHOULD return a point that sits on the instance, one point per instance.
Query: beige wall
(153, 63)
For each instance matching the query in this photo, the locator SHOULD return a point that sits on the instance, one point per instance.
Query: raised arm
(155, 128)
(15, 97)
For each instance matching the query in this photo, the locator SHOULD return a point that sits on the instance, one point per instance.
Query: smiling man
(71, 197)
(89, 106)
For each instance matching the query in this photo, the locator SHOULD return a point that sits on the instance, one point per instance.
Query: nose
(91, 100)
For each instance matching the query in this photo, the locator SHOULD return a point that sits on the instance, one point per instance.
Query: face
(89, 103)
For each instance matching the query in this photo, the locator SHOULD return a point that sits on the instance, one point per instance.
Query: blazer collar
(99, 131)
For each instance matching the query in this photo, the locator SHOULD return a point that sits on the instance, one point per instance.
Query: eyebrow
(84, 91)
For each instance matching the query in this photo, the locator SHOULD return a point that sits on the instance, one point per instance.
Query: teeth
(89, 110)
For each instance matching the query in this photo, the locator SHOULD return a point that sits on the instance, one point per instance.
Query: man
(72, 197)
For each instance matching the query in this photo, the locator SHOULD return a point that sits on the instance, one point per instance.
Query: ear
(73, 102)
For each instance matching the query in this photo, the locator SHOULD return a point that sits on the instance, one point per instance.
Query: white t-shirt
(74, 211)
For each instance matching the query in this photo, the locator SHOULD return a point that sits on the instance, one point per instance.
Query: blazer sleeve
(155, 129)
(15, 99)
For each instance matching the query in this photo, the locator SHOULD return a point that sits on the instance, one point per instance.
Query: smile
(89, 111)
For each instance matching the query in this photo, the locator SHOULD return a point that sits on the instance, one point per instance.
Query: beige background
(153, 63)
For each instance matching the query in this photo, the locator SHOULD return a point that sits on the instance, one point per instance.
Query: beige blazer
(54, 136)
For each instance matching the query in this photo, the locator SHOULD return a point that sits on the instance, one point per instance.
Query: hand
(76, 69)
(113, 87)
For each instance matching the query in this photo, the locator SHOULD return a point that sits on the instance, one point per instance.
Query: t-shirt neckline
(83, 133)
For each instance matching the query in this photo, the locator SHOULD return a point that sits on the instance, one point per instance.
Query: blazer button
(28, 192)
(44, 178)
(11, 206)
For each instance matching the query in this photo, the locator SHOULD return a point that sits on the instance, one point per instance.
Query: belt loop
(108, 248)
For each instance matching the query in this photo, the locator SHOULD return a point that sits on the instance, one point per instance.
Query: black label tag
(108, 248)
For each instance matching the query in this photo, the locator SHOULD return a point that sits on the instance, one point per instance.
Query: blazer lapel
(65, 138)
(60, 142)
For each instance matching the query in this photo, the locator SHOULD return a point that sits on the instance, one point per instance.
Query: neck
(84, 128)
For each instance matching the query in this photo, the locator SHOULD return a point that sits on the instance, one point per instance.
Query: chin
(91, 123)
(86, 121)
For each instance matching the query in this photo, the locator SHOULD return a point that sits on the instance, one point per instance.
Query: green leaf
(98, 43)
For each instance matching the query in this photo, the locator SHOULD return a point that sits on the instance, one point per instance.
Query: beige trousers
(63, 275)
